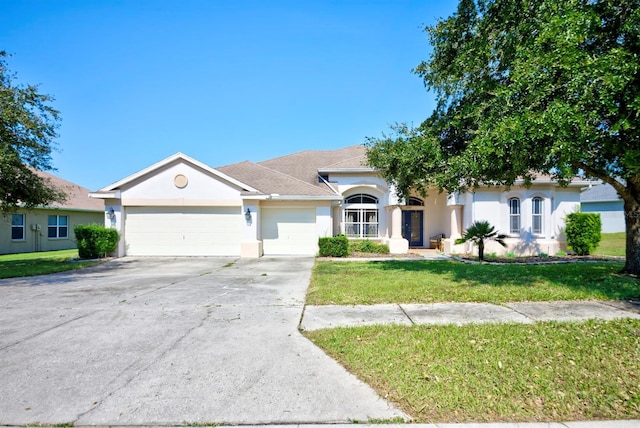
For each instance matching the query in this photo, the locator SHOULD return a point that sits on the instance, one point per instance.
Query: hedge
(334, 246)
(583, 232)
(95, 241)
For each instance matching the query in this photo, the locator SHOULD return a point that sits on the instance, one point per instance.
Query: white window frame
(514, 216)
(18, 226)
(537, 215)
(58, 227)
(362, 209)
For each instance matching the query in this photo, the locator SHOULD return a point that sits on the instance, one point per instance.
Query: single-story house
(51, 227)
(604, 200)
(182, 207)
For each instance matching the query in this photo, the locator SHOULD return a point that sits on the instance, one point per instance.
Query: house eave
(346, 170)
(106, 195)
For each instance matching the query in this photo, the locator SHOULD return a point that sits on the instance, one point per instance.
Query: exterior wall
(611, 214)
(492, 205)
(36, 240)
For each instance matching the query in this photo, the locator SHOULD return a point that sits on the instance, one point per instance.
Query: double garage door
(216, 231)
(183, 231)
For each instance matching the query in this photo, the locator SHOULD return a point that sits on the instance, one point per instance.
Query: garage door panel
(288, 231)
(183, 231)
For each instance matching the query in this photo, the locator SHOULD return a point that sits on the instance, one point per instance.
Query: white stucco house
(182, 207)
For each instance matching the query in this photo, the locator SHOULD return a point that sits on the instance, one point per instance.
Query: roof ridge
(308, 151)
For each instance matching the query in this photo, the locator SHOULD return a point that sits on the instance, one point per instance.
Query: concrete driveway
(170, 341)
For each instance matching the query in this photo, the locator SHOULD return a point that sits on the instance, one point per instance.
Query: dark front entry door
(412, 227)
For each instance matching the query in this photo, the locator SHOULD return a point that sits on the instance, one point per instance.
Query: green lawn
(612, 244)
(42, 263)
(351, 283)
(488, 372)
(507, 372)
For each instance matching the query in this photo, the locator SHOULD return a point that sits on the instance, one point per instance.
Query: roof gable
(178, 157)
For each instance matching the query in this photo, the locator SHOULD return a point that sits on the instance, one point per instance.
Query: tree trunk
(481, 249)
(632, 223)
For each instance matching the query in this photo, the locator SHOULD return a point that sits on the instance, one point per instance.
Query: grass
(612, 244)
(508, 372)
(403, 281)
(42, 263)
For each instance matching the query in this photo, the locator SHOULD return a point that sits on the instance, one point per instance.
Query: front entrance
(412, 227)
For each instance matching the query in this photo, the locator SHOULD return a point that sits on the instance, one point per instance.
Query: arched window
(416, 202)
(361, 216)
(536, 215)
(361, 198)
(514, 216)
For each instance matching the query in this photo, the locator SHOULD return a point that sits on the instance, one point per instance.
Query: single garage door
(289, 231)
(183, 231)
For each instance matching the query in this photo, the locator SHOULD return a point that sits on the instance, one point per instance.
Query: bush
(583, 232)
(334, 246)
(367, 246)
(95, 241)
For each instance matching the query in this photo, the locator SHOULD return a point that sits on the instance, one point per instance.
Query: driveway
(170, 341)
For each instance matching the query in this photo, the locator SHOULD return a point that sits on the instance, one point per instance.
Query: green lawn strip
(612, 244)
(42, 263)
(429, 281)
(497, 372)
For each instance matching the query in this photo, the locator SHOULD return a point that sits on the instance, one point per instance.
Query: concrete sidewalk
(330, 316)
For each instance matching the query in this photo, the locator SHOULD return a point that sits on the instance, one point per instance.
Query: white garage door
(183, 231)
(289, 231)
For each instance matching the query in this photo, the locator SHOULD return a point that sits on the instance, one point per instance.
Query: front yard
(365, 283)
(492, 372)
(42, 263)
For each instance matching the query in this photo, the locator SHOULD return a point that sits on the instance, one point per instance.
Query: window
(17, 227)
(361, 216)
(58, 226)
(514, 216)
(361, 198)
(536, 215)
(417, 202)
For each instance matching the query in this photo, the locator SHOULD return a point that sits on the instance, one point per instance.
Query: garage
(289, 231)
(183, 231)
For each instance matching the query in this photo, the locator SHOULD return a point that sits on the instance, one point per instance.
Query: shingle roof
(77, 196)
(305, 165)
(295, 174)
(269, 181)
(599, 193)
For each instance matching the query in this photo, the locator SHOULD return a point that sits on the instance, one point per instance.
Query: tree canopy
(526, 87)
(28, 127)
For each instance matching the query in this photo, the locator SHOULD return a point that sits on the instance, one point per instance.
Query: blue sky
(222, 81)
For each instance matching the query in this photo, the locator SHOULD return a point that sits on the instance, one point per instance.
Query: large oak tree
(28, 126)
(526, 87)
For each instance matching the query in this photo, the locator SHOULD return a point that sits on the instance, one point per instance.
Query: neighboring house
(180, 206)
(50, 228)
(604, 200)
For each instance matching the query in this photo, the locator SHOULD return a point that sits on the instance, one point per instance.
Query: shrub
(334, 246)
(95, 241)
(367, 246)
(583, 232)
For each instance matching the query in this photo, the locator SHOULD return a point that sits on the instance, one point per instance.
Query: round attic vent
(180, 181)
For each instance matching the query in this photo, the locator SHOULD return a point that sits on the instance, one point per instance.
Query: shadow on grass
(598, 278)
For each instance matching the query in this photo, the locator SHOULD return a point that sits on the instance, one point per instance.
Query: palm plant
(478, 233)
